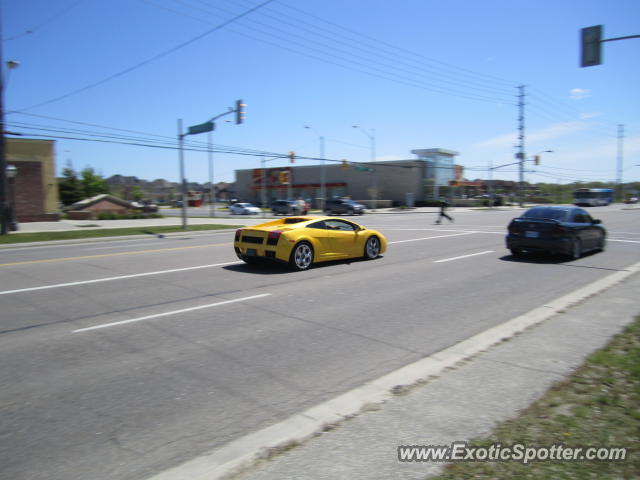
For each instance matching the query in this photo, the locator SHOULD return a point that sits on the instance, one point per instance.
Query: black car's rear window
(548, 213)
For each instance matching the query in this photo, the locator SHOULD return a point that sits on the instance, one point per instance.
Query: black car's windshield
(546, 213)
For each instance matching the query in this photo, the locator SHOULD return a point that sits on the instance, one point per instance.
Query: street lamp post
(374, 173)
(323, 171)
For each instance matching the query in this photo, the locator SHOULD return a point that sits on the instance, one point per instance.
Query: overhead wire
(151, 59)
(335, 55)
(345, 43)
(46, 22)
(441, 65)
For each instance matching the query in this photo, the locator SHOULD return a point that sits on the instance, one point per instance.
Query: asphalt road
(120, 359)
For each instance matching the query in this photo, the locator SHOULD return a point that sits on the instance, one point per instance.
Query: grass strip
(105, 232)
(597, 406)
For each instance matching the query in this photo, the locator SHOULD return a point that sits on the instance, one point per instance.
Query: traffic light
(536, 159)
(591, 46)
(284, 177)
(292, 157)
(239, 112)
(345, 165)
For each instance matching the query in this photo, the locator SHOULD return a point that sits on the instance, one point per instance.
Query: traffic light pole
(208, 126)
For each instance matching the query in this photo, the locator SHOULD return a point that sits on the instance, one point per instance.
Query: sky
(110, 79)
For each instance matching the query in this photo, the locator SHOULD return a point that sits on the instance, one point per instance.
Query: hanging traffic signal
(239, 112)
(292, 157)
(345, 165)
(591, 46)
(284, 177)
(536, 159)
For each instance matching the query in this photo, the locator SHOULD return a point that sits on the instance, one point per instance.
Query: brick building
(35, 187)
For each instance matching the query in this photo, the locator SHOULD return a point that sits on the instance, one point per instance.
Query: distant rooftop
(435, 151)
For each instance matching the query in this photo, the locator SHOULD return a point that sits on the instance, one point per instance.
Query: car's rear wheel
(517, 252)
(301, 256)
(576, 249)
(372, 248)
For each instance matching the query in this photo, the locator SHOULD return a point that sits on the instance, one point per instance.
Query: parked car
(243, 209)
(302, 241)
(340, 206)
(284, 207)
(302, 207)
(555, 229)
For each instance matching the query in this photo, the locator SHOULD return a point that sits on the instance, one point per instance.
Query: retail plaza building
(397, 182)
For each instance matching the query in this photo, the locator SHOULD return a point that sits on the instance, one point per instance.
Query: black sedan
(555, 229)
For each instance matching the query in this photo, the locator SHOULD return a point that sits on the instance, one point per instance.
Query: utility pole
(183, 181)
(4, 185)
(620, 193)
(521, 154)
(212, 190)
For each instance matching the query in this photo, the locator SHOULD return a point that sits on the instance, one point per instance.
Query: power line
(337, 55)
(33, 30)
(440, 64)
(150, 60)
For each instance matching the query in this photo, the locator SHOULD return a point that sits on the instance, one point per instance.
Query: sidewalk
(479, 383)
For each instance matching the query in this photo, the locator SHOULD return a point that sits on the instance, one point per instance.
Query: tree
(69, 186)
(92, 184)
(137, 193)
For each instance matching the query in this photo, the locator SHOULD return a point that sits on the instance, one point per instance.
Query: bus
(593, 197)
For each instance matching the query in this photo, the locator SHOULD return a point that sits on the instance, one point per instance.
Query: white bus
(593, 197)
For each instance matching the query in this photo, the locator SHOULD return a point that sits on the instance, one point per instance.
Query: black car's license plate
(252, 252)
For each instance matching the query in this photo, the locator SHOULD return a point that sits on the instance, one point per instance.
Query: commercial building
(398, 181)
(33, 191)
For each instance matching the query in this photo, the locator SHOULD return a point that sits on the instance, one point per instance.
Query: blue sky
(420, 73)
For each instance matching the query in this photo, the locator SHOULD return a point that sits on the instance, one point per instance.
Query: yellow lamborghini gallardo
(303, 241)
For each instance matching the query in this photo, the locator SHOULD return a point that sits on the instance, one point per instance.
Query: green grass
(104, 232)
(599, 405)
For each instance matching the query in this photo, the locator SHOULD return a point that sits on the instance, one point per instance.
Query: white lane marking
(166, 314)
(621, 240)
(160, 272)
(109, 279)
(430, 238)
(463, 256)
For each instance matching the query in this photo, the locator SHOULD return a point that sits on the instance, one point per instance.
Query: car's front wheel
(372, 248)
(301, 256)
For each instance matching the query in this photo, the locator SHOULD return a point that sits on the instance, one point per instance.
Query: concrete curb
(240, 454)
